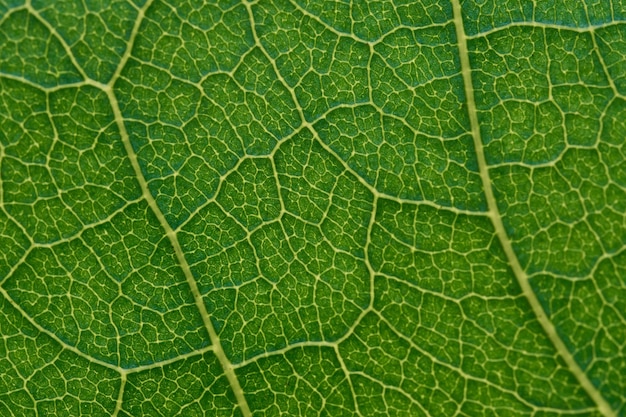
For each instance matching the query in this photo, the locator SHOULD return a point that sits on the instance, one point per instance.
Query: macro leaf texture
(313, 208)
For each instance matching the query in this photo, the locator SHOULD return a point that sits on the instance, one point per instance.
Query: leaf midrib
(496, 219)
(218, 350)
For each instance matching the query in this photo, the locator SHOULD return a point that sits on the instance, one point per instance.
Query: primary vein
(505, 242)
(215, 341)
(229, 371)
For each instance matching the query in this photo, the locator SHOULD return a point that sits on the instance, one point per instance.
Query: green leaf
(313, 207)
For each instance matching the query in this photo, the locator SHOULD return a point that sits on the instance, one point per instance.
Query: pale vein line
(368, 263)
(141, 13)
(282, 351)
(605, 68)
(346, 372)
(505, 242)
(541, 25)
(68, 50)
(169, 232)
(229, 371)
(39, 87)
(119, 402)
(179, 358)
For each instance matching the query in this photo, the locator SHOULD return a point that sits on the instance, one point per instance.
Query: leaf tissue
(313, 208)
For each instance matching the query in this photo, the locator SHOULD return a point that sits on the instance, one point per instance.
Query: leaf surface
(313, 207)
